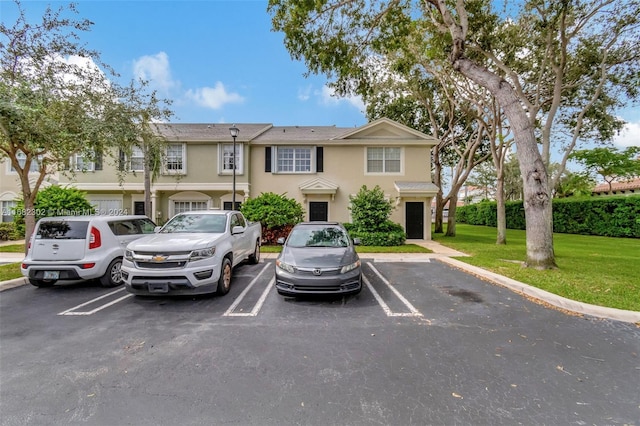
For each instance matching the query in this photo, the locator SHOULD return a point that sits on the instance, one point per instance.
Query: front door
(414, 215)
(318, 211)
(138, 207)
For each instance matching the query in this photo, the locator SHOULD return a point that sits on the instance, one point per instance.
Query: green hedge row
(604, 216)
(8, 232)
(391, 234)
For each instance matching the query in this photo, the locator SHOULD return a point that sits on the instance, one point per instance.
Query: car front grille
(161, 265)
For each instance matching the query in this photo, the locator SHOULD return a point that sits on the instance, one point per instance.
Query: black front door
(138, 207)
(318, 211)
(415, 220)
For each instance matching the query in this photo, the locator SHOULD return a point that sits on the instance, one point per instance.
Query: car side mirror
(280, 240)
(156, 229)
(356, 241)
(237, 230)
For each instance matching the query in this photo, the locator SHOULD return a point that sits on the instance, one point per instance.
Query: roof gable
(388, 130)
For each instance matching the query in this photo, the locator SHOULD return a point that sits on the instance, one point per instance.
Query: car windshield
(313, 236)
(208, 223)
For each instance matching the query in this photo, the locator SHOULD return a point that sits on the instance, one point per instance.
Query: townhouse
(320, 167)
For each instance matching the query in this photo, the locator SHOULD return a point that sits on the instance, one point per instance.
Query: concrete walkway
(445, 255)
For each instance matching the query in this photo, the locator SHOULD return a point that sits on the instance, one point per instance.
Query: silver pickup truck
(193, 253)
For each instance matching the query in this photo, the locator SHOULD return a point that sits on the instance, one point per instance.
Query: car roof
(101, 218)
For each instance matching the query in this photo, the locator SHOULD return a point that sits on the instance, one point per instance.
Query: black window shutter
(267, 159)
(319, 159)
(121, 160)
(97, 164)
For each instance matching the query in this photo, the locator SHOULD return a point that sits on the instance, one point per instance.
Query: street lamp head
(234, 131)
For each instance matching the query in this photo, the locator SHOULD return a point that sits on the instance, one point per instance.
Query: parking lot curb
(17, 282)
(544, 296)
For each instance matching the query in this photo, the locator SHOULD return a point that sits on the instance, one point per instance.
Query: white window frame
(224, 152)
(7, 206)
(384, 160)
(281, 149)
(78, 163)
(22, 158)
(138, 156)
(183, 169)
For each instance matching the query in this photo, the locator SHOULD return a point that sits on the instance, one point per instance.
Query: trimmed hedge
(390, 234)
(8, 232)
(604, 216)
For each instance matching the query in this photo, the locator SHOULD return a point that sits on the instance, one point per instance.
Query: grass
(10, 271)
(597, 270)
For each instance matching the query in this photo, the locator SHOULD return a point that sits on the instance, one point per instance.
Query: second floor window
(22, 160)
(82, 164)
(293, 159)
(228, 158)
(383, 159)
(136, 163)
(175, 159)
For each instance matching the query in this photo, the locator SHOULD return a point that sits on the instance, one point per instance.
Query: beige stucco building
(320, 167)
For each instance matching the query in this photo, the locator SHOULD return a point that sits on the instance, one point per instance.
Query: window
(294, 159)
(175, 161)
(185, 206)
(82, 164)
(383, 160)
(136, 162)
(22, 160)
(7, 210)
(227, 157)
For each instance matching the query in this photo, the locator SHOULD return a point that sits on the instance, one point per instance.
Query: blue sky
(218, 61)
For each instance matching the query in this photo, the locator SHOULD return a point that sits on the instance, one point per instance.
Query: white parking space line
(73, 311)
(259, 303)
(413, 312)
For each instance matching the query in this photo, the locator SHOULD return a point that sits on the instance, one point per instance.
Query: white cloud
(304, 93)
(156, 70)
(328, 97)
(629, 136)
(213, 97)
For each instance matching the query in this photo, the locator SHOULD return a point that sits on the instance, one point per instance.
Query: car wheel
(255, 257)
(224, 282)
(42, 283)
(113, 276)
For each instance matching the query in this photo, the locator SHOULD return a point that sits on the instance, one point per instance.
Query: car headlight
(285, 266)
(202, 253)
(351, 267)
(128, 254)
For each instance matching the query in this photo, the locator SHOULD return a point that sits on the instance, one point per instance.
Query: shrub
(276, 213)
(8, 232)
(54, 201)
(370, 212)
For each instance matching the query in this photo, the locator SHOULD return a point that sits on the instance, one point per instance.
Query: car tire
(255, 257)
(42, 283)
(113, 276)
(224, 282)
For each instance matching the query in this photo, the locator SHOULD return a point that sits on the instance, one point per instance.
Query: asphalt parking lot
(423, 343)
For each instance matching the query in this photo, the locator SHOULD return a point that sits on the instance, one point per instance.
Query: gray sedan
(318, 258)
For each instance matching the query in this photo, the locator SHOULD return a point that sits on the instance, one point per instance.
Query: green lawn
(597, 270)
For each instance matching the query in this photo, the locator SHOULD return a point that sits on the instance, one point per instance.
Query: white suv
(81, 248)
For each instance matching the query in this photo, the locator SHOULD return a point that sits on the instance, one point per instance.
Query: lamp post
(234, 134)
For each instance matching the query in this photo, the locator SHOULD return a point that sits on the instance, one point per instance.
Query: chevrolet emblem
(159, 258)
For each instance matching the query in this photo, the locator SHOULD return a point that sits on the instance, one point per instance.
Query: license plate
(51, 275)
(159, 288)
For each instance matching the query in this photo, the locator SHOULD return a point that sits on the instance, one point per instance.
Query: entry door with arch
(318, 211)
(414, 219)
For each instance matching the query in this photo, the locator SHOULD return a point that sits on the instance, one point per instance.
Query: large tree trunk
(437, 180)
(537, 197)
(451, 219)
(500, 210)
